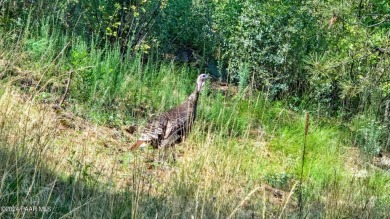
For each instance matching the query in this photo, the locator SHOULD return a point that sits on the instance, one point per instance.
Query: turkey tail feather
(136, 145)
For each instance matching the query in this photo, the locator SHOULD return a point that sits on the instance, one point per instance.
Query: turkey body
(173, 125)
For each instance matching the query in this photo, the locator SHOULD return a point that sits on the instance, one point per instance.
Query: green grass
(241, 142)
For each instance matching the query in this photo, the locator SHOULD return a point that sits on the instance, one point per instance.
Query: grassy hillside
(73, 100)
(243, 158)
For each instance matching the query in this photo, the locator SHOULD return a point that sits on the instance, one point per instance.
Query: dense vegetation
(111, 64)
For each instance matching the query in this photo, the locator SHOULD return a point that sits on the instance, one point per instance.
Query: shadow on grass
(29, 189)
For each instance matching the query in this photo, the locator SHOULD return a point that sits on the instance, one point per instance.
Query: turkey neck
(192, 103)
(193, 99)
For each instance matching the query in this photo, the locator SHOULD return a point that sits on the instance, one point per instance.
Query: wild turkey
(171, 126)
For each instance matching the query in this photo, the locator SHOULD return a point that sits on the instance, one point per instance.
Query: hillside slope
(243, 159)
